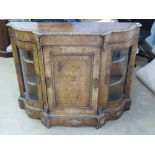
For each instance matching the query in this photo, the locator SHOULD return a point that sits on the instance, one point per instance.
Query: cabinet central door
(72, 74)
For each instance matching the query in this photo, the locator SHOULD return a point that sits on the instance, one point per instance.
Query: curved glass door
(117, 78)
(29, 75)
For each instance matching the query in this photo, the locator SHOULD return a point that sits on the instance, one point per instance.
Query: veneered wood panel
(72, 77)
(116, 37)
(72, 40)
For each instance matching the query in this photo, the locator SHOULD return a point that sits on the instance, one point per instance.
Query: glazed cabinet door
(118, 68)
(117, 76)
(27, 67)
(72, 75)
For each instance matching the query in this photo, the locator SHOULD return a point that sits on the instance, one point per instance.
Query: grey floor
(139, 120)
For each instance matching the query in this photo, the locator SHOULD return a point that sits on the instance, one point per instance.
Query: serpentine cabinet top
(83, 28)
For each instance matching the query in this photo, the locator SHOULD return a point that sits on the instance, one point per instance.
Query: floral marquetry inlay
(67, 73)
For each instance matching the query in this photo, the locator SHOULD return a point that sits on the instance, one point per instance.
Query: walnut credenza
(74, 74)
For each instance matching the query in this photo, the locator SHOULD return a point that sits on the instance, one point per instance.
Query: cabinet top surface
(93, 28)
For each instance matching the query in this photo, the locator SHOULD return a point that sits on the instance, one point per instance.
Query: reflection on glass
(117, 74)
(118, 54)
(29, 75)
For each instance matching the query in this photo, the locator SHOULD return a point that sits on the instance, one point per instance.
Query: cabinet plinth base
(31, 111)
(74, 120)
(85, 120)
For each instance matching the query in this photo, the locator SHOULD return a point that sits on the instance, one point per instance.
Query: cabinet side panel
(130, 69)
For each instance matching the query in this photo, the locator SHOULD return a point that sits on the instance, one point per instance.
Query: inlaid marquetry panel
(72, 89)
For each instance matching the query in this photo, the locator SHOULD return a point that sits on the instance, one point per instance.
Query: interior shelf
(28, 60)
(118, 69)
(31, 80)
(116, 90)
(119, 60)
(115, 80)
(31, 83)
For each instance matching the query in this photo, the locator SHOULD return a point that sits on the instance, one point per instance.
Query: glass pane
(117, 74)
(29, 75)
(32, 92)
(118, 54)
(27, 55)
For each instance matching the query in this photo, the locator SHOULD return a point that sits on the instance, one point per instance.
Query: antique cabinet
(74, 74)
